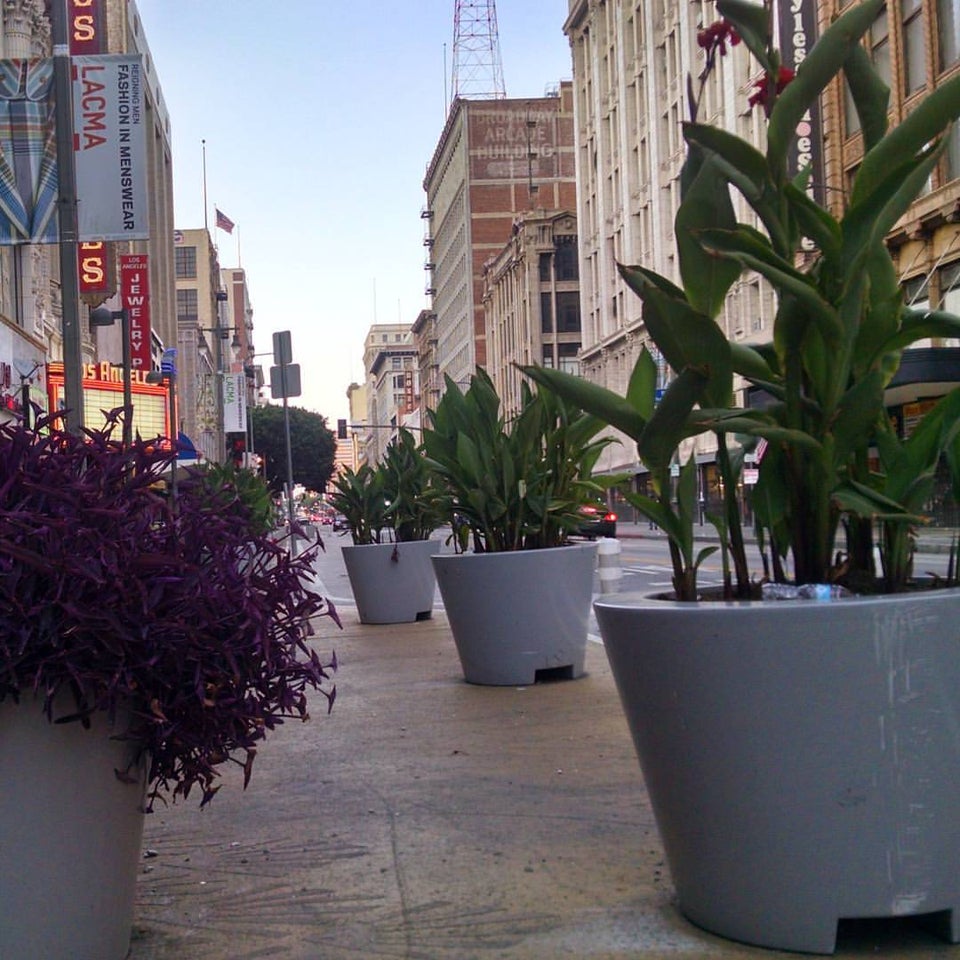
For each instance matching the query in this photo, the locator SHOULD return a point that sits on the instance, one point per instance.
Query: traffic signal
(238, 449)
(341, 429)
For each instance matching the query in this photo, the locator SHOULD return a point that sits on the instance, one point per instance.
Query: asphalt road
(644, 561)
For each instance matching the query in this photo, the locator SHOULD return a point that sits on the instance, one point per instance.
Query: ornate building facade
(531, 298)
(631, 64)
(31, 313)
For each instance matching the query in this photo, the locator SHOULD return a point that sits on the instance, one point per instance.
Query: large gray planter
(518, 613)
(70, 835)
(802, 758)
(392, 582)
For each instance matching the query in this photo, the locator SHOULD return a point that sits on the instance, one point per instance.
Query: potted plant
(144, 644)
(801, 757)
(518, 603)
(391, 513)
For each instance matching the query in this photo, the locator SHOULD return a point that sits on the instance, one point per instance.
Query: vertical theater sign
(797, 23)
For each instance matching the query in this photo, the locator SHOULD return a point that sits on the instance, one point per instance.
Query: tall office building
(392, 393)
(495, 159)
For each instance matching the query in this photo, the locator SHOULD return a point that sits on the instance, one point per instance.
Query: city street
(644, 561)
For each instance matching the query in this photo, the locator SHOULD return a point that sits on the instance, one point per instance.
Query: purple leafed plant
(185, 611)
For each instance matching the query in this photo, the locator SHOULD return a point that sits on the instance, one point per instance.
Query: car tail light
(610, 517)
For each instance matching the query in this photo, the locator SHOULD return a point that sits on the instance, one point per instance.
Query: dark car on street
(597, 521)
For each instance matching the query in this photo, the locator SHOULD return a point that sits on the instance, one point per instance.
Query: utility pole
(67, 214)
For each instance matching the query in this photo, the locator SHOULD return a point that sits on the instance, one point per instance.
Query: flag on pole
(223, 221)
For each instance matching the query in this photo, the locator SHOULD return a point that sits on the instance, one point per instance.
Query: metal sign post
(67, 212)
(285, 382)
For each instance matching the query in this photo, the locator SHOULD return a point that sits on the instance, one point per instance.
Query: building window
(546, 313)
(547, 355)
(185, 259)
(914, 69)
(916, 293)
(950, 288)
(751, 306)
(880, 47)
(396, 362)
(567, 266)
(187, 304)
(952, 153)
(949, 282)
(851, 118)
(568, 312)
(398, 381)
(567, 354)
(948, 32)
(545, 263)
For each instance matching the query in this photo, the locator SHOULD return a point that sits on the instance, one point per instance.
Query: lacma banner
(234, 403)
(109, 147)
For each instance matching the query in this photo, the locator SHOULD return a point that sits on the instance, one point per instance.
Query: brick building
(495, 159)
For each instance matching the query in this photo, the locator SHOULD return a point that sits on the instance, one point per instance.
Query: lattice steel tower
(477, 69)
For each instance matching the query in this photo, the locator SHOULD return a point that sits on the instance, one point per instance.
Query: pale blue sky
(319, 120)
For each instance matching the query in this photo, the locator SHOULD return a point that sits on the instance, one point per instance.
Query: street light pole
(174, 432)
(104, 317)
(67, 217)
(286, 430)
(168, 374)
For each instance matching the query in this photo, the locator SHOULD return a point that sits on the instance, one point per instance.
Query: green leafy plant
(839, 333)
(240, 492)
(113, 595)
(359, 495)
(412, 507)
(516, 485)
(391, 502)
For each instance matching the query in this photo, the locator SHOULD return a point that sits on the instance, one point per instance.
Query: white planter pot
(70, 841)
(392, 582)
(518, 613)
(802, 758)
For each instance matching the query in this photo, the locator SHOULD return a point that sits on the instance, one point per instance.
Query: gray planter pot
(802, 758)
(70, 835)
(392, 582)
(515, 614)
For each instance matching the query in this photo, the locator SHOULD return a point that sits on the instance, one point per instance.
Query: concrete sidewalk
(427, 819)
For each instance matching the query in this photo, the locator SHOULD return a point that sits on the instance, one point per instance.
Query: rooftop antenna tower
(477, 68)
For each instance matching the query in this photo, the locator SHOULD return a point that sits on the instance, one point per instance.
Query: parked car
(339, 522)
(598, 521)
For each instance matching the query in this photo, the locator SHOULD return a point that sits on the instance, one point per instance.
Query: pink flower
(715, 38)
(764, 87)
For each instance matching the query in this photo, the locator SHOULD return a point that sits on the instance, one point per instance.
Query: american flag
(224, 222)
